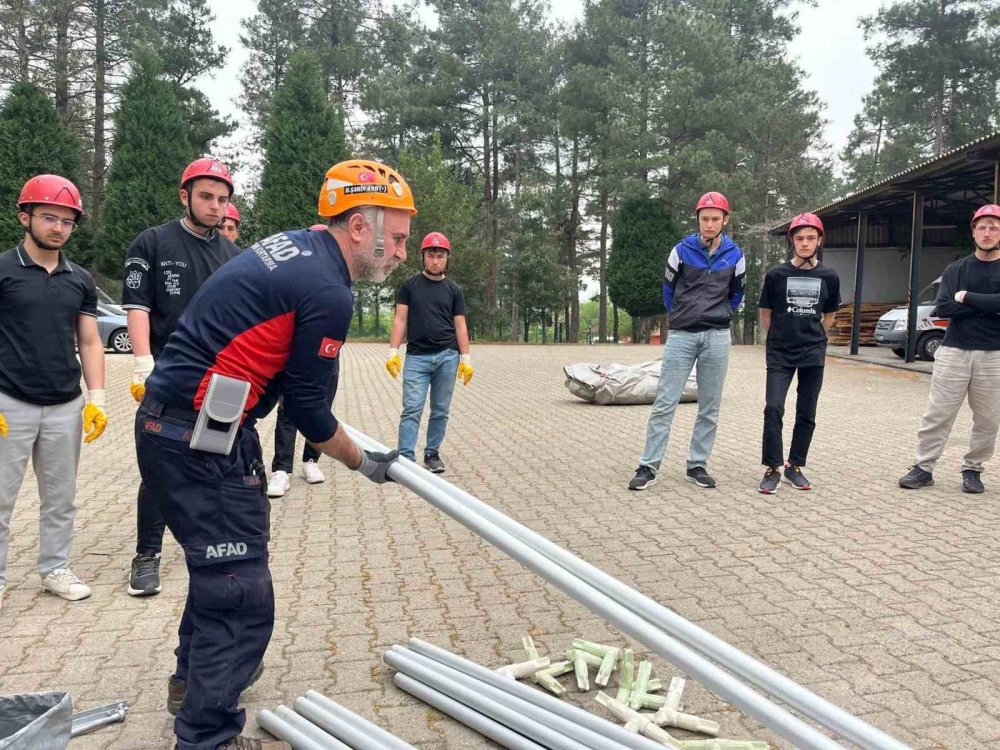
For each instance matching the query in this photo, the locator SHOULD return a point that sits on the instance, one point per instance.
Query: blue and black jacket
(701, 291)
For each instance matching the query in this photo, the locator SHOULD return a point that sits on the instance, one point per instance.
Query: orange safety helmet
(359, 182)
(51, 190)
(805, 220)
(990, 209)
(435, 239)
(232, 212)
(209, 168)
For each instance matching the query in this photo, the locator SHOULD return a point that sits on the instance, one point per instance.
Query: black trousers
(149, 522)
(285, 432)
(779, 379)
(217, 509)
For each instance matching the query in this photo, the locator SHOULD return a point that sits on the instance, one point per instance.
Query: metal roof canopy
(942, 190)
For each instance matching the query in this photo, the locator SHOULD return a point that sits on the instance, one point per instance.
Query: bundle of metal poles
(317, 723)
(693, 650)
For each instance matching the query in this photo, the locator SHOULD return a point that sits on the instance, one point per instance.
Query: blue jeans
(710, 349)
(420, 372)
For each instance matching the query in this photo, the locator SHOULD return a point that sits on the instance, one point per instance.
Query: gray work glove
(375, 466)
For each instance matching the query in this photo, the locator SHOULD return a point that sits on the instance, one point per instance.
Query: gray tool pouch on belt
(220, 415)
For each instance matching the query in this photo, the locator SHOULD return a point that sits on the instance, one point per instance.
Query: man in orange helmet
(269, 323)
(164, 267)
(48, 305)
(967, 364)
(798, 302)
(230, 226)
(430, 311)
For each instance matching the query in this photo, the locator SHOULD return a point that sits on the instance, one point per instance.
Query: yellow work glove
(95, 418)
(3, 426)
(142, 366)
(465, 371)
(394, 364)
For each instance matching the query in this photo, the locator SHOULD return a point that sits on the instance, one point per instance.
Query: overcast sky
(830, 49)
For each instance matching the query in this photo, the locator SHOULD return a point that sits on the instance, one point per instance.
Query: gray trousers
(960, 374)
(51, 436)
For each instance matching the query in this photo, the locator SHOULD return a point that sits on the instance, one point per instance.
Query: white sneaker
(279, 484)
(312, 472)
(62, 582)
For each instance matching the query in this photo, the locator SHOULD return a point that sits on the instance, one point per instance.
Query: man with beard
(48, 306)
(269, 323)
(967, 365)
(430, 311)
(164, 267)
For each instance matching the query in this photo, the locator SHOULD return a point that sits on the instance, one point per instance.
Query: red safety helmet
(232, 212)
(435, 239)
(805, 220)
(210, 168)
(318, 228)
(51, 190)
(712, 200)
(990, 209)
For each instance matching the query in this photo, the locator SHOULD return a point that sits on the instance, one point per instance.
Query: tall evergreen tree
(33, 140)
(304, 136)
(151, 149)
(936, 88)
(270, 36)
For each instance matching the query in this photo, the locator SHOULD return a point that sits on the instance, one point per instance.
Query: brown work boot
(176, 689)
(239, 742)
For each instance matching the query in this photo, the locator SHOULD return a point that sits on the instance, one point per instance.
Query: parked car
(890, 330)
(111, 324)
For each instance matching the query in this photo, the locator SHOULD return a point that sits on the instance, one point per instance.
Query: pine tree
(151, 149)
(33, 140)
(304, 136)
(643, 233)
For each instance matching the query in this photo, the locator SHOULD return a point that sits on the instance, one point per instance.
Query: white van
(890, 330)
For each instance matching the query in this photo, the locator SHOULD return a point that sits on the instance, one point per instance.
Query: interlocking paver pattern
(880, 599)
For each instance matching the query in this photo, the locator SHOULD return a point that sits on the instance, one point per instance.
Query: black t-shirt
(164, 267)
(798, 298)
(430, 319)
(38, 315)
(975, 322)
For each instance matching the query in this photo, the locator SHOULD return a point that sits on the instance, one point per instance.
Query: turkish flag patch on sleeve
(329, 348)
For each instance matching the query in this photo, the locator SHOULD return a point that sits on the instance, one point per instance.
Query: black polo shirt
(164, 267)
(38, 315)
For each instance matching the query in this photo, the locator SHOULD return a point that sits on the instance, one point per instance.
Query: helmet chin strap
(379, 238)
(993, 249)
(189, 214)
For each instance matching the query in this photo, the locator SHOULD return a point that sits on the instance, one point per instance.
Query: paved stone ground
(877, 598)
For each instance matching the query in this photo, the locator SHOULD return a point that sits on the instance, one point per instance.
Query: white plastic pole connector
(524, 668)
(813, 706)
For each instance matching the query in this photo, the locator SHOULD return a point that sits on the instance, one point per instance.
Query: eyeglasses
(987, 228)
(52, 221)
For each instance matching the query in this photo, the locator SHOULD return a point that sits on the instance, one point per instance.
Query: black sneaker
(644, 477)
(177, 688)
(144, 579)
(916, 478)
(700, 477)
(433, 462)
(794, 475)
(769, 484)
(971, 482)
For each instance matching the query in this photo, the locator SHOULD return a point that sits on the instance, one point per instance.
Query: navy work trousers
(217, 508)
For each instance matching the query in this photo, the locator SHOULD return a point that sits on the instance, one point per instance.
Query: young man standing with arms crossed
(798, 302)
(48, 306)
(967, 365)
(702, 288)
(430, 310)
(164, 267)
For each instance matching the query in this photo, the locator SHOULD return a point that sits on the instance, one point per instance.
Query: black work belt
(156, 409)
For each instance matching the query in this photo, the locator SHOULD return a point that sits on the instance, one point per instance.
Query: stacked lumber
(840, 333)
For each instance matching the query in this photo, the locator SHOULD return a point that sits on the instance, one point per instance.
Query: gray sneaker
(644, 477)
(971, 482)
(916, 478)
(433, 462)
(769, 484)
(144, 578)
